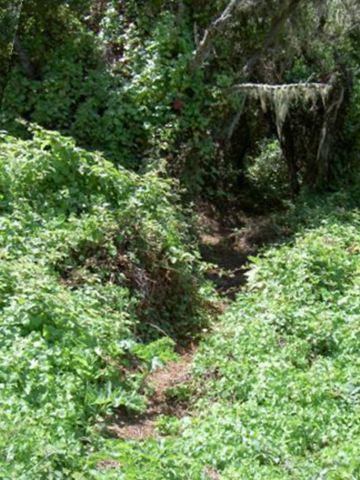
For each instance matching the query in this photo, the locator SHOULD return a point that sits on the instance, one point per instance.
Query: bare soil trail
(226, 242)
(138, 427)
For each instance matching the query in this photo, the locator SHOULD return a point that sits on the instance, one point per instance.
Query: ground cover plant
(82, 246)
(278, 378)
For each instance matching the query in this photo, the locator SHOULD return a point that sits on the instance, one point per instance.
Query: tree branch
(284, 86)
(217, 27)
(275, 29)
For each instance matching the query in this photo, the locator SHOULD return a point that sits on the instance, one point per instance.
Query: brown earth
(138, 427)
(225, 243)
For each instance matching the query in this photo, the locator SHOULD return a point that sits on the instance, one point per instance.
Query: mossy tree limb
(306, 116)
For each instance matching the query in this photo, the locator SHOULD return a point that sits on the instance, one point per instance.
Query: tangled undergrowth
(277, 388)
(98, 280)
(93, 262)
(101, 281)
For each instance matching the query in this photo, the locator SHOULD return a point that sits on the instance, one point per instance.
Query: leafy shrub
(88, 253)
(279, 376)
(118, 107)
(125, 89)
(267, 173)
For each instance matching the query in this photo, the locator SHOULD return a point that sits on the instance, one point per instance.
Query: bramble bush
(118, 105)
(95, 261)
(125, 89)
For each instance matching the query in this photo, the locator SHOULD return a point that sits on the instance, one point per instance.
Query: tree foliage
(121, 76)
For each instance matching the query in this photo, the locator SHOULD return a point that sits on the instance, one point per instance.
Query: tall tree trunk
(25, 62)
(9, 23)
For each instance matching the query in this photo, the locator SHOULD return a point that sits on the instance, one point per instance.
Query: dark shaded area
(9, 19)
(227, 238)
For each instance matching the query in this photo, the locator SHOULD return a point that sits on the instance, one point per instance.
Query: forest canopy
(167, 70)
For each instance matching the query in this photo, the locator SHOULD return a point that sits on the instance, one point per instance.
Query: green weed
(82, 245)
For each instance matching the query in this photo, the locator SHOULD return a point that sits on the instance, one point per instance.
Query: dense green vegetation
(279, 376)
(117, 76)
(125, 127)
(92, 260)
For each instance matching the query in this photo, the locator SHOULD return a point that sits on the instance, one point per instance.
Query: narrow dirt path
(161, 402)
(225, 243)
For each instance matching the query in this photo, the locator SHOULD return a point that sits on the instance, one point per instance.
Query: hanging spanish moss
(287, 101)
(279, 98)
